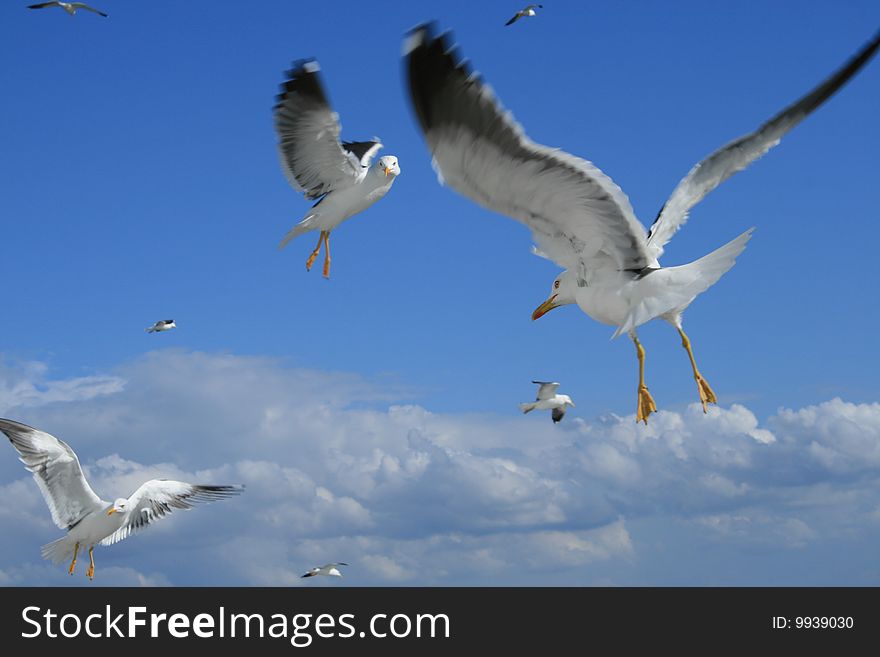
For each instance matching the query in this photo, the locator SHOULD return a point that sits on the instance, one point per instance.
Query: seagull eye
(556, 285)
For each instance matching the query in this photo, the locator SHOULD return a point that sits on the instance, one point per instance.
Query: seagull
(522, 13)
(161, 325)
(579, 217)
(69, 7)
(74, 506)
(336, 175)
(547, 398)
(329, 569)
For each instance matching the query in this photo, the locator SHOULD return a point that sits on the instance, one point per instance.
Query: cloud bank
(338, 467)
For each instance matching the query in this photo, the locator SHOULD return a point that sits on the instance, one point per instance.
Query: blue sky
(141, 181)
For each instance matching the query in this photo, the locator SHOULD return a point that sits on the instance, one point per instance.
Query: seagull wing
(546, 390)
(576, 213)
(82, 5)
(57, 472)
(515, 18)
(158, 497)
(308, 135)
(40, 5)
(362, 151)
(738, 154)
(557, 414)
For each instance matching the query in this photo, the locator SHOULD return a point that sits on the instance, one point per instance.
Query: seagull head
(565, 399)
(388, 166)
(119, 506)
(561, 294)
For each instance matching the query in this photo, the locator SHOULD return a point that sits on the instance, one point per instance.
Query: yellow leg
(315, 253)
(90, 573)
(327, 254)
(646, 404)
(73, 563)
(706, 394)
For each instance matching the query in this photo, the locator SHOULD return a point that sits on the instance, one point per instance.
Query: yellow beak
(111, 511)
(545, 308)
(387, 171)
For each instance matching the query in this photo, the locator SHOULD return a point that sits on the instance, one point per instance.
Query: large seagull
(578, 216)
(74, 506)
(338, 176)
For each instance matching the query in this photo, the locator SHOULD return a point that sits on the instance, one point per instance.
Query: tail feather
(303, 226)
(58, 551)
(525, 408)
(675, 287)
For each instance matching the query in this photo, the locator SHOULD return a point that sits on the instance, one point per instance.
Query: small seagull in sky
(337, 175)
(74, 506)
(69, 7)
(547, 398)
(522, 13)
(161, 325)
(329, 569)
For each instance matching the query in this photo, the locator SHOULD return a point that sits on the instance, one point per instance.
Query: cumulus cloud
(341, 468)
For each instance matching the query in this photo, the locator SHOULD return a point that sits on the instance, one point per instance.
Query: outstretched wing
(158, 497)
(56, 470)
(546, 390)
(515, 18)
(312, 157)
(362, 151)
(577, 215)
(738, 154)
(82, 5)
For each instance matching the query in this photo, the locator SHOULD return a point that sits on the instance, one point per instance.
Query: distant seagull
(337, 174)
(547, 398)
(161, 325)
(69, 7)
(74, 506)
(578, 216)
(329, 569)
(523, 13)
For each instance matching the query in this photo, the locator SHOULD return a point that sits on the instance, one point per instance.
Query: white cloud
(336, 468)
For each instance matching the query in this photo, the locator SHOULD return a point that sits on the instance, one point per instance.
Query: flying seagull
(336, 175)
(161, 325)
(522, 13)
(579, 218)
(69, 7)
(74, 506)
(329, 569)
(547, 398)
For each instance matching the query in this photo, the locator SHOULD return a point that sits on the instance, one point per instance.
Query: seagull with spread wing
(74, 506)
(69, 7)
(548, 398)
(578, 216)
(161, 325)
(525, 12)
(338, 176)
(328, 569)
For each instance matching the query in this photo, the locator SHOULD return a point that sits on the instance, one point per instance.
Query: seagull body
(525, 12)
(329, 569)
(547, 398)
(74, 506)
(161, 325)
(579, 217)
(338, 175)
(69, 7)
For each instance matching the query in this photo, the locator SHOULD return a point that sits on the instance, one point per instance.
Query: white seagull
(336, 174)
(329, 569)
(69, 7)
(527, 11)
(74, 506)
(161, 325)
(579, 218)
(548, 398)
